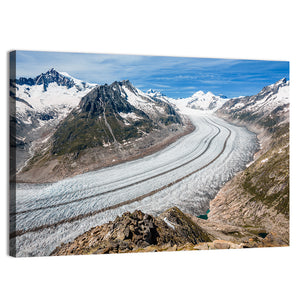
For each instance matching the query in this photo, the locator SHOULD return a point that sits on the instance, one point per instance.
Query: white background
(223, 29)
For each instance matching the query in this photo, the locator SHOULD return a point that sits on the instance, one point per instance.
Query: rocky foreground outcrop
(170, 231)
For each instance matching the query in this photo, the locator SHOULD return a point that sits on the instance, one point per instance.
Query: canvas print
(130, 153)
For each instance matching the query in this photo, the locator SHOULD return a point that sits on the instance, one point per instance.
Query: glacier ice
(204, 149)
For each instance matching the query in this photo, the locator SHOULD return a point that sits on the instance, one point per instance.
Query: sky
(176, 77)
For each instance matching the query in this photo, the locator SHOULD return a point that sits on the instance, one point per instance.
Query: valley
(187, 174)
(102, 151)
(97, 127)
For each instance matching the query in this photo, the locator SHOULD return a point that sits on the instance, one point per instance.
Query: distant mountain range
(202, 101)
(57, 115)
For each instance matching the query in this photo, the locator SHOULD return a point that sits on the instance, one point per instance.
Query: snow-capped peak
(54, 76)
(197, 94)
(272, 97)
(275, 86)
(49, 89)
(205, 101)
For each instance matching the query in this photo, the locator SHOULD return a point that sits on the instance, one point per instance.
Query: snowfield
(203, 101)
(186, 174)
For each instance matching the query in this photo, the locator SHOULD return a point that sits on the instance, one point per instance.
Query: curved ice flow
(192, 194)
(110, 178)
(94, 197)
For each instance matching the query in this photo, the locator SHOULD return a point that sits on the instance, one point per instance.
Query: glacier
(186, 174)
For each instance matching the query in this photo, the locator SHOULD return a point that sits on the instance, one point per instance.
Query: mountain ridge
(258, 197)
(122, 117)
(51, 76)
(118, 119)
(40, 103)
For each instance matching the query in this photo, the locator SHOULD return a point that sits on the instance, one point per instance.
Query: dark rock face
(98, 122)
(133, 231)
(27, 81)
(107, 97)
(46, 117)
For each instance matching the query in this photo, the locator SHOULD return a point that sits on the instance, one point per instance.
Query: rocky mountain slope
(258, 197)
(39, 104)
(266, 109)
(112, 114)
(111, 124)
(170, 231)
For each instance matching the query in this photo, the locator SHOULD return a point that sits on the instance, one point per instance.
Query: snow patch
(169, 223)
(130, 115)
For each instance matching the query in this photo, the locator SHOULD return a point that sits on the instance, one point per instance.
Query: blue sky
(174, 76)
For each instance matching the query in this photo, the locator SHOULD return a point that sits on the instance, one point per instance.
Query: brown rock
(219, 244)
(201, 246)
(138, 232)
